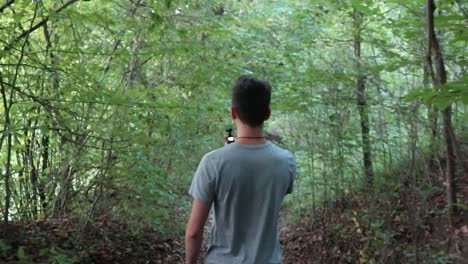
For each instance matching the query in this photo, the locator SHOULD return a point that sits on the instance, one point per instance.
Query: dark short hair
(251, 99)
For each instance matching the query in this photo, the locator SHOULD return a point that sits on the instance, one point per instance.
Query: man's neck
(248, 135)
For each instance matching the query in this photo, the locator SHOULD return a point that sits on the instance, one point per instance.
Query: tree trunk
(433, 117)
(362, 104)
(7, 176)
(54, 85)
(45, 165)
(439, 77)
(451, 163)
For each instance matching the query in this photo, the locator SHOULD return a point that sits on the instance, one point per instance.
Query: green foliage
(58, 256)
(117, 123)
(112, 104)
(22, 258)
(440, 257)
(443, 96)
(4, 248)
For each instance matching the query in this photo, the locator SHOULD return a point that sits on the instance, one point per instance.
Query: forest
(107, 107)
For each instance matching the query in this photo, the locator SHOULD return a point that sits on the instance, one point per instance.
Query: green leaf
(21, 254)
(441, 102)
(464, 99)
(417, 94)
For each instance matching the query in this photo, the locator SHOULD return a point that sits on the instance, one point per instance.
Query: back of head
(251, 99)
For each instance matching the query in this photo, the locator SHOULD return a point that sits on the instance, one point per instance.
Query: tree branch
(6, 5)
(38, 25)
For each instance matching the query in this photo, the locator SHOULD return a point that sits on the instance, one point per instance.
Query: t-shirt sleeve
(202, 187)
(292, 173)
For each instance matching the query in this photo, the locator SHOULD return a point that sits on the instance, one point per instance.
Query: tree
(361, 102)
(436, 67)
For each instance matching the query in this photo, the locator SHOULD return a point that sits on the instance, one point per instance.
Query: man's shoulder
(282, 151)
(233, 150)
(214, 154)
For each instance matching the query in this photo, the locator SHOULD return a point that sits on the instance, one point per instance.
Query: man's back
(246, 184)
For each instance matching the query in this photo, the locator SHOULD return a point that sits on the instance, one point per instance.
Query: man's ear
(233, 113)
(268, 114)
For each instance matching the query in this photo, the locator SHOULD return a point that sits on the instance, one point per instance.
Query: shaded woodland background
(108, 106)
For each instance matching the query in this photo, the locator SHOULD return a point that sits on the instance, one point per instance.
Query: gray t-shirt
(246, 184)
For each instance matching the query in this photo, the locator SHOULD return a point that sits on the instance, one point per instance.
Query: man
(246, 182)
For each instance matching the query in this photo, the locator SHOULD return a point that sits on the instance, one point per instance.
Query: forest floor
(334, 236)
(402, 226)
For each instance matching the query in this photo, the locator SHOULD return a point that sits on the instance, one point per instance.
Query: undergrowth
(403, 219)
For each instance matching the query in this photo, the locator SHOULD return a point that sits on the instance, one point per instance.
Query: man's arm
(194, 231)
